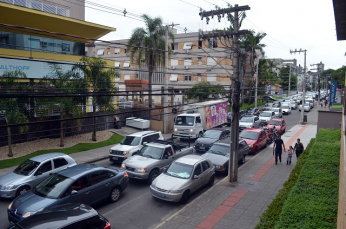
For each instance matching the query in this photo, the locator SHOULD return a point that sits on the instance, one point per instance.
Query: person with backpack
(299, 148)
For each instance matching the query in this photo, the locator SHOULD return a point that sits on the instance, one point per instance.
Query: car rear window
(59, 162)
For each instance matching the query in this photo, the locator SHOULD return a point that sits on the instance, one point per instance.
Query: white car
(266, 116)
(306, 107)
(286, 109)
(249, 122)
(293, 105)
(278, 111)
(183, 177)
(131, 144)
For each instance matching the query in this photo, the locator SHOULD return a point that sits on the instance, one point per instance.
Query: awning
(340, 19)
(57, 25)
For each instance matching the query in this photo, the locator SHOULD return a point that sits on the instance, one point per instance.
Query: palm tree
(99, 80)
(63, 83)
(10, 82)
(147, 45)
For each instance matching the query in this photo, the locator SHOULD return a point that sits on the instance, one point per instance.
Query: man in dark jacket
(299, 148)
(277, 148)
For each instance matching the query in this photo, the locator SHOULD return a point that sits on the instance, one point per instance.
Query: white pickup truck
(153, 158)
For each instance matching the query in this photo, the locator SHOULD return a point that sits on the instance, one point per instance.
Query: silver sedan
(183, 177)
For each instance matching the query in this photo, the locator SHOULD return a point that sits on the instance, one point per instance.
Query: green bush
(309, 198)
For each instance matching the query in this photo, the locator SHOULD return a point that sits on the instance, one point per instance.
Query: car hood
(285, 109)
(245, 124)
(249, 141)
(30, 202)
(122, 147)
(169, 183)
(138, 161)
(216, 159)
(206, 140)
(264, 118)
(12, 178)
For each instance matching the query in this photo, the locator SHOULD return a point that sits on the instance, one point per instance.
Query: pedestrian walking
(299, 148)
(290, 154)
(321, 103)
(277, 149)
(325, 103)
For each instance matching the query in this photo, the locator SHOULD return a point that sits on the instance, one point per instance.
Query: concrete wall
(329, 119)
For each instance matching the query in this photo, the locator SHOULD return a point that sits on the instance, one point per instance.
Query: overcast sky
(295, 24)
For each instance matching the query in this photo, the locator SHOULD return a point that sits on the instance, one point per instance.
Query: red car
(279, 124)
(255, 138)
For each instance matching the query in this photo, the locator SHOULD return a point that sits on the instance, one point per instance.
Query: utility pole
(289, 83)
(165, 82)
(304, 79)
(257, 60)
(319, 70)
(235, 87)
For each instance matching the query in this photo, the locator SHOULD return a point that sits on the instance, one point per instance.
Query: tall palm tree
(10, 82)
(99, 79)
(147, 45)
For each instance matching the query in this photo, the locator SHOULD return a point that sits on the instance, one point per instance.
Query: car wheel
(256, 150)
(153, 174)
(22, 190)
(211, 181)
(243, 159)
(115, 194)
(185, 197)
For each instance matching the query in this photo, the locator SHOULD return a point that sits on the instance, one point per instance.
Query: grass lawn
(337, 107)
(114, 139)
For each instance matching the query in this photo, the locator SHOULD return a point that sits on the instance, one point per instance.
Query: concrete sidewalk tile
(229, 203)
(233, 199)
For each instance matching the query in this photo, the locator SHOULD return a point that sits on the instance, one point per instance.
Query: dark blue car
(84, 183)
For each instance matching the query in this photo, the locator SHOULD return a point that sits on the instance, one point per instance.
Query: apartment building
(191, 61)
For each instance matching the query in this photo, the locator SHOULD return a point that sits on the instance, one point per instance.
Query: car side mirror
(144, 143)
(74, 192)
(38, 173)
(195, 177)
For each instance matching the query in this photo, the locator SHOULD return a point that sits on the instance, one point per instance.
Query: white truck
(200, 117)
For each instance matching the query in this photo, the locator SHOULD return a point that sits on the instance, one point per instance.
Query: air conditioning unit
(186, 67)
(173, 67)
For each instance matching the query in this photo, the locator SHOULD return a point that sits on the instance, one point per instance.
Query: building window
(199, 77)
(212, 43)
(117, 64)
(187, 78)
(174, 62)
(100, 52)
(187, 45)
(108, 51)
(65, 47)
(126, 64)
(127, 77)
(174, 46)
(116, 50)
(211, 77)
(187, 61)
(199, 60)
(211, 61)
(200, 43)
(174, 77)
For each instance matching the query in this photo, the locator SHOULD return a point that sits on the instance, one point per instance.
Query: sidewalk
(240, 204)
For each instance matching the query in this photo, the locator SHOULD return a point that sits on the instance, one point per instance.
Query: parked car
(85, 183)
(208, 138)
(293, 104)
(255, 138)
(279, 124)
(253, 111)
(266, 116)
(311, 101)
(153, 158)
(67, 216)
(182, 178)
(286, 109)
(131, 144)
(218, 154)
(306, 107)
(249, 121)
(31, 172)
(276, 104)
(268, 97)
(278, 112)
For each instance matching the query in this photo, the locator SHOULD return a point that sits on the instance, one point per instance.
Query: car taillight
(108, 226)
(125, 174)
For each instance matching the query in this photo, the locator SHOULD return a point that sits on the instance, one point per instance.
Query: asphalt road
(136, 207)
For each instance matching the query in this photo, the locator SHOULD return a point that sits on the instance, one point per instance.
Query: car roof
(79, 170)
(226, 141)
(143, 133)
(190, 159)
(60, 216)
(47, 156)
(277, 119)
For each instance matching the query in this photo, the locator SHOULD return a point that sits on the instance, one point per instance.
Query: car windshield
(265, 114)
(293, 102)
(179, 170)
(246, 119)
(130, 141)
(275, 109)
(151, 152)
(248, 135)
(27, 167)
(214, 134)
(53, 186)
(185, 121)
(284, 107)
(275, 123)
(307, 104)
(219, 149)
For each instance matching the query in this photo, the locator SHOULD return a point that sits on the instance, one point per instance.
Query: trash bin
(305, 119)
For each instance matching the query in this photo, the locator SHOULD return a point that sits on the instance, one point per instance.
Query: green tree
(14, 108)
(284, 78)
(147, 45)
(99, 81)
(205, 90)
(339, 75)
(64, 83)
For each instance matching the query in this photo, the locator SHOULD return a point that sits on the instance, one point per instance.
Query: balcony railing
(43, 6)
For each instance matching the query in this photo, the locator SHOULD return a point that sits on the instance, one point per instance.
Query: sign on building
(332, 90)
